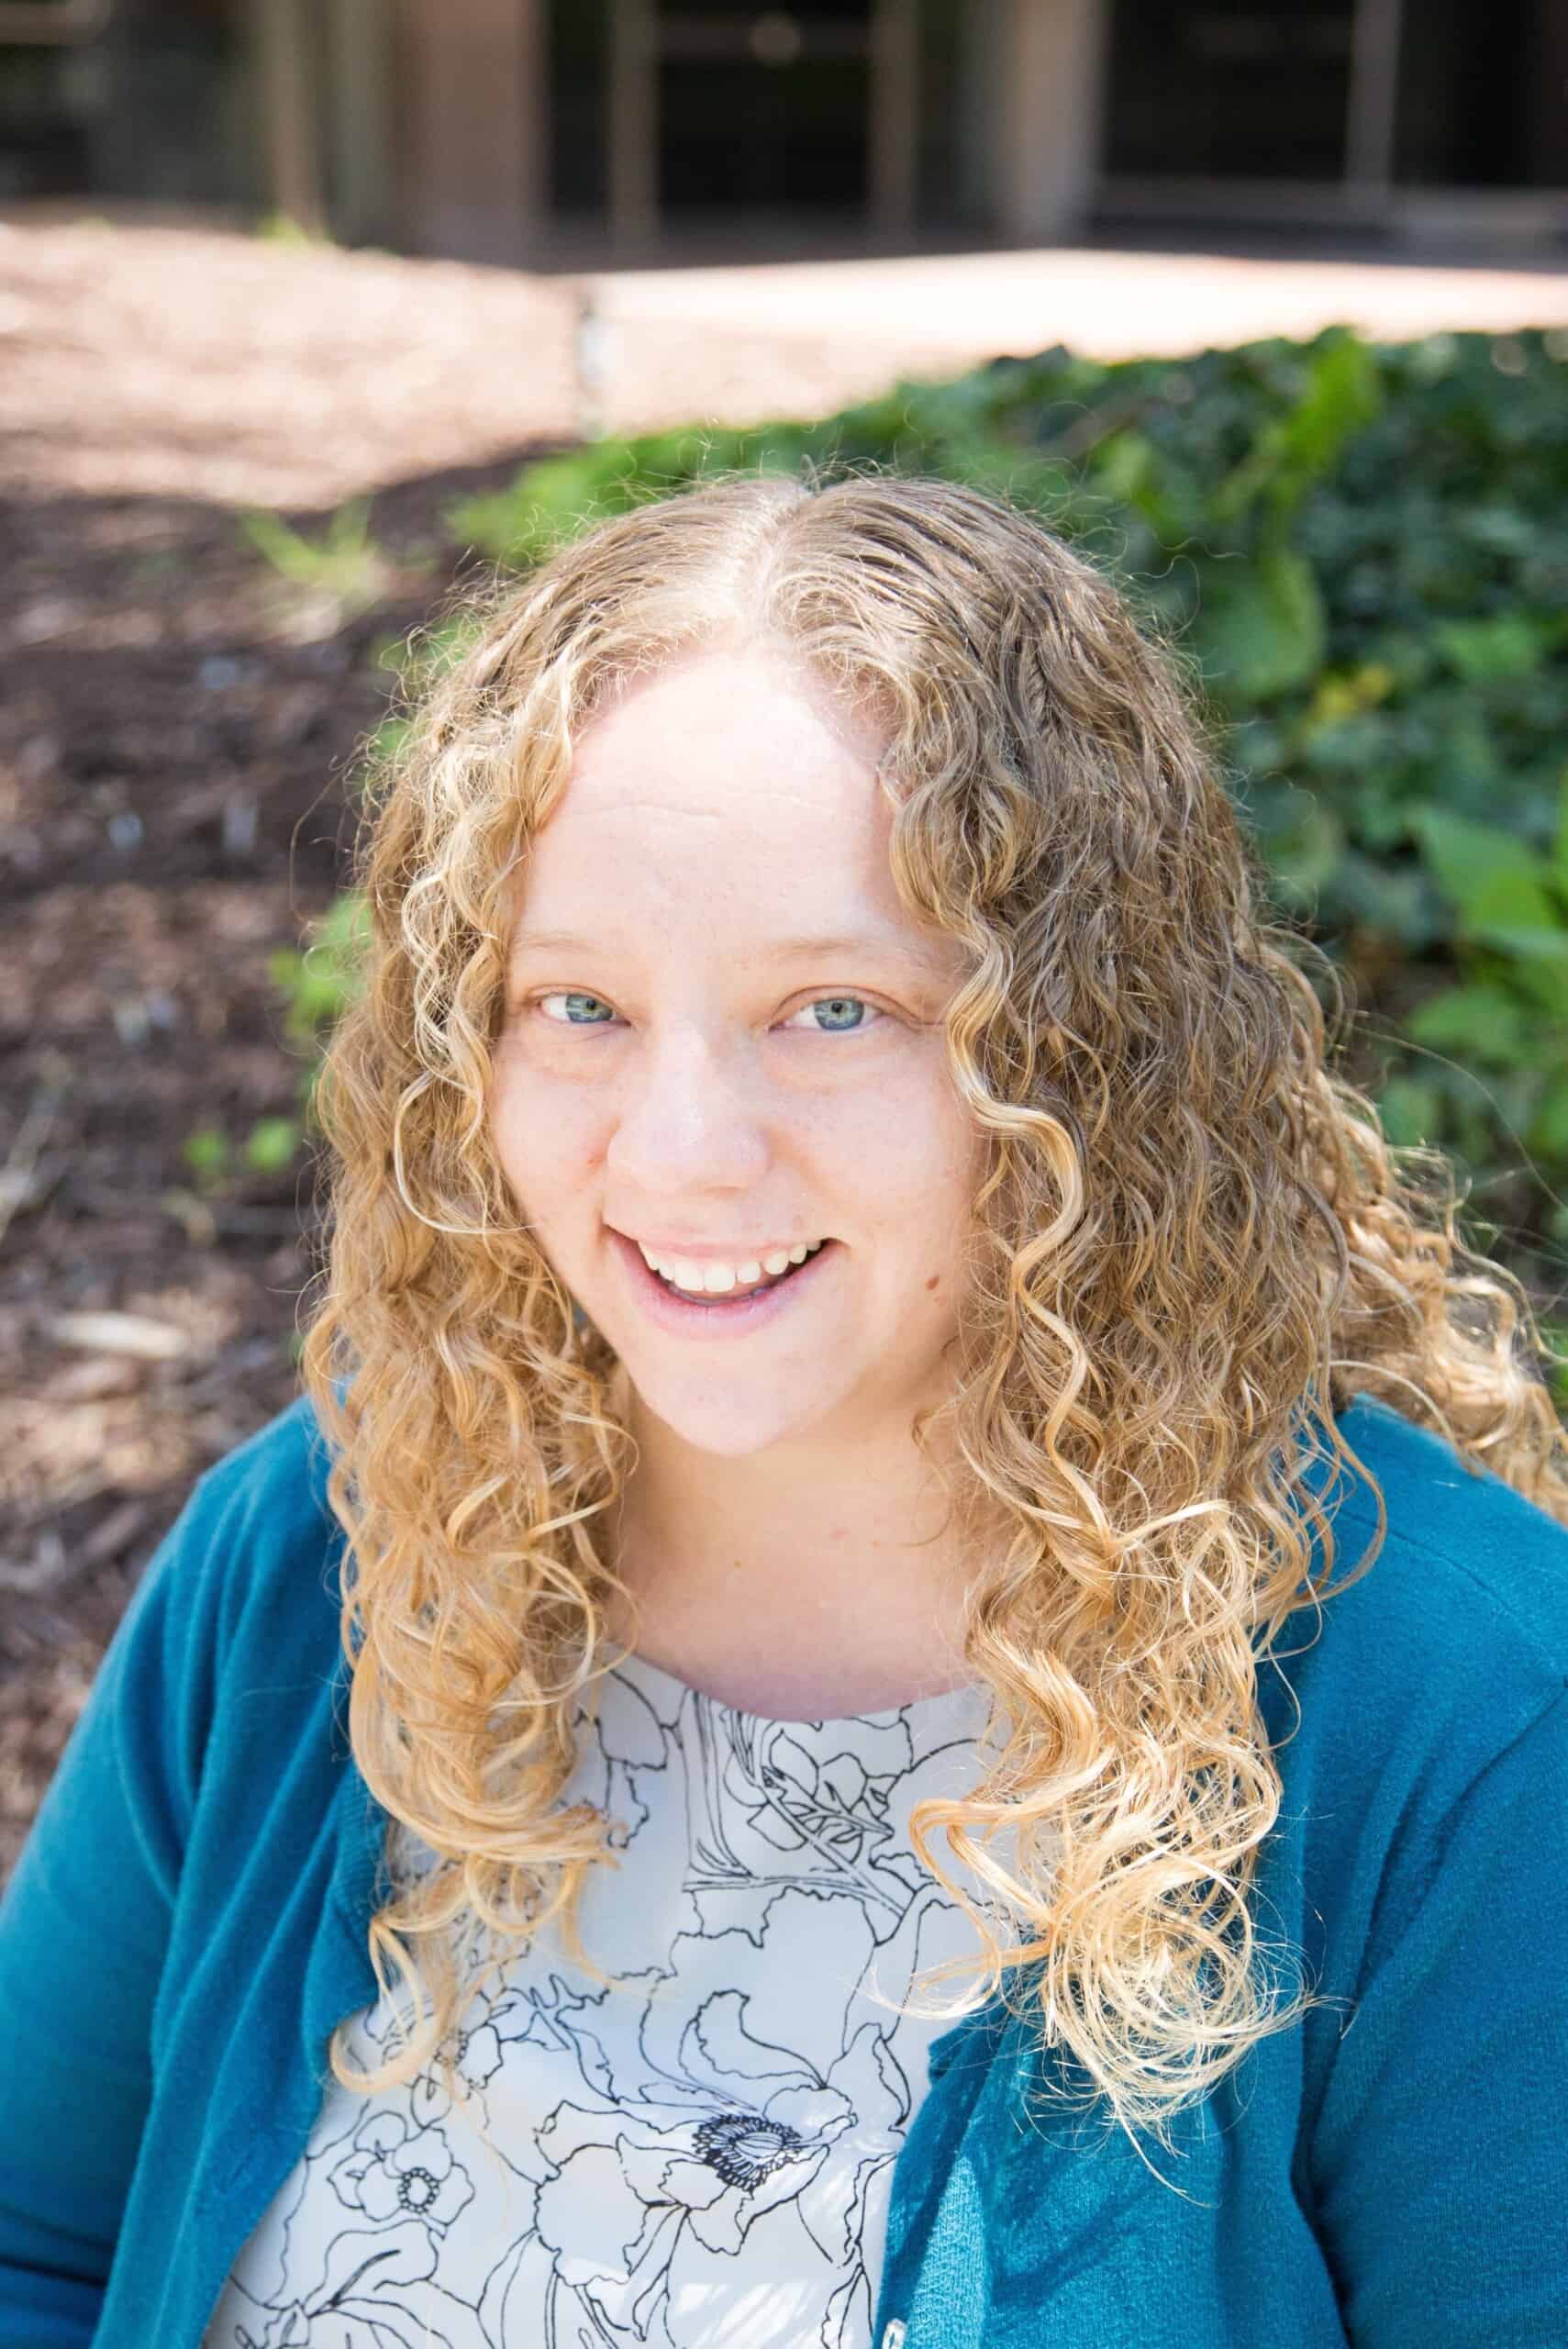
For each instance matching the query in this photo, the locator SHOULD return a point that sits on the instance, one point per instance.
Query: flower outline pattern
(700, 2152)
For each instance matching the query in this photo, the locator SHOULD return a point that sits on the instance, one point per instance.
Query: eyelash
(550, 994)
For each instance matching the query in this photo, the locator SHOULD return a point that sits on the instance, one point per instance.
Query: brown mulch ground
(178, 733)
(177, 771)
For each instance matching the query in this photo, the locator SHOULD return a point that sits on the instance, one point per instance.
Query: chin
(712, 1411)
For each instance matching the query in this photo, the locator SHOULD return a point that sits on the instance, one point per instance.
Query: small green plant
(219, 1165)
(320, 980)
(416, 661)
(272, 1142)
(341, 575)
(208, 1153)
(316, 983)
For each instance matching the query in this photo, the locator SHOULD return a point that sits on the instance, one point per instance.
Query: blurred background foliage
(1361, 554)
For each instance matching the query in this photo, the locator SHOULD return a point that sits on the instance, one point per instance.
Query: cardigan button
(892, 2333)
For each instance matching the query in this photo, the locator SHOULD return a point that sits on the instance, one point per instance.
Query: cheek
(539, 1144)
(918, 1167)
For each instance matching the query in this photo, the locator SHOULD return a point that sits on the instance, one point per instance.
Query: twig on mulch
(20, 1186)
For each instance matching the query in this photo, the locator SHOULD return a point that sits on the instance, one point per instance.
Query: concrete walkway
(171, 356)
(957, 308)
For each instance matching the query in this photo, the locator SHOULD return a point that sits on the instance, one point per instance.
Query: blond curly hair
(1192, 1246)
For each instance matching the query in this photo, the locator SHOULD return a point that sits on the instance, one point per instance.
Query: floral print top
(700, 2153)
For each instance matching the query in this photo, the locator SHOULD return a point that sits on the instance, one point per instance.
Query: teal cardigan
(187, 1922)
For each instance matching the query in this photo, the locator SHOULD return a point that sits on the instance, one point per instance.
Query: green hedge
(1363, 550)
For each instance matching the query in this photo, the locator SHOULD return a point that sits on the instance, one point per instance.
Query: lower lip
(721, 1318)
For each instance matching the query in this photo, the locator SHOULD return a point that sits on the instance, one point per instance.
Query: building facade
(514, 132)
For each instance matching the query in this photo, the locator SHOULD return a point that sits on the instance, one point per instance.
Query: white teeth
(715, 1280)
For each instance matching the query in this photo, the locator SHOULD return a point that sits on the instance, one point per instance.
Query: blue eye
(839, 1003)
(572, 996)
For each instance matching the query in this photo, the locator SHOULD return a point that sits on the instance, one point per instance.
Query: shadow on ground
(179, 737)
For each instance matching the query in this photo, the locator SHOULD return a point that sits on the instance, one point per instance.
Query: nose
(689, 1117)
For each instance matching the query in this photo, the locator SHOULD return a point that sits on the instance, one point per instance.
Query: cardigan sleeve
(83, 1928)
(1439, 2156)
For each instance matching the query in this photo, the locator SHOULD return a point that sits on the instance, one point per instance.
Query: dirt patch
(179, 735)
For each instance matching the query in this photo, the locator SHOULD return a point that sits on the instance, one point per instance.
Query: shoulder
(1450, 1647)
(282, 1466)
(272, 1485)
(1468, 1563)
(238, 1600)
(249, 1564)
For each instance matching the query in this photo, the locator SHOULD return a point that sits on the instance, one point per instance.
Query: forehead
(863, 942)
(733, 757)
(729, 736)
(732, 797)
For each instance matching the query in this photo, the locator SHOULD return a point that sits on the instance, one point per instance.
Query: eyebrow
(779, 950)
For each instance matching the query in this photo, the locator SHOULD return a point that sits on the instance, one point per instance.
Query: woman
(752, 1762)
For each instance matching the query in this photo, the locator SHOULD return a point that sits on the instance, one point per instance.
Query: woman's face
(677, 1067)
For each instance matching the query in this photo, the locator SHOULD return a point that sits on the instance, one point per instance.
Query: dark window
(1483, 95)
(952, 132)
(1228, 90)
(579, 37)
(157, 105)
(732, 130)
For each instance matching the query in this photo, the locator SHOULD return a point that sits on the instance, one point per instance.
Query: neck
(775, 1588)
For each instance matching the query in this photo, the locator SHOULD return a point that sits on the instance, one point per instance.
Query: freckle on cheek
(935, 1280)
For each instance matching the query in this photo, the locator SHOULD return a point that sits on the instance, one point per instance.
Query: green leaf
(1549, 1131)
(1260, 628)
(271, 1143)
(1411, 1109)
(1123, 463)
(1513, 909)
(344, 563)
(1538, 971)
(1560, 841)
(345, 926)
(319, 984)
(1343, 393)
(205, 1152)
(1480, 651)
(1293, 451)
(1340, 696)
(1484, 1021)
(1491, 875)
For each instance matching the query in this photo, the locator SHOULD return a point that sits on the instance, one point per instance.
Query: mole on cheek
(935, 1280)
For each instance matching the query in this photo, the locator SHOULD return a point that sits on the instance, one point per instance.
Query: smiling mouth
(736, 1294)
(695, 1307)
